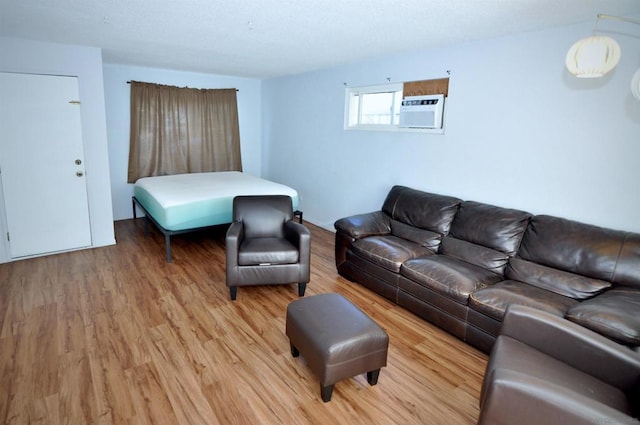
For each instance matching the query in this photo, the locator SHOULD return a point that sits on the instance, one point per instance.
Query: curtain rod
(129, 82)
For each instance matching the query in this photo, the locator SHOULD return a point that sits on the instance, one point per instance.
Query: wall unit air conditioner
(422, 111)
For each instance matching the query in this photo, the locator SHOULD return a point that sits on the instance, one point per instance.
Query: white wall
(118, 108)
(520, 132)
(25, 56)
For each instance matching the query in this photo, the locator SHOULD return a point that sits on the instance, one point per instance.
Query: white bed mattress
(187, 201)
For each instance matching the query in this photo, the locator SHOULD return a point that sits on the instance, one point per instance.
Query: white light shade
(635, 85)
(593, 56)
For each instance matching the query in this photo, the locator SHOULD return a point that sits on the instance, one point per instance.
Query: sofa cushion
(478, 255)
(494, 300)
(426, 238)
(627, 272)
(571, 246)
(614, 314)
(448, 276)
(490, 226)
(421, 209)
(388, 252)
(564, 283)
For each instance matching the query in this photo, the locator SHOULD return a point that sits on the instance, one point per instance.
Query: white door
(42, 164)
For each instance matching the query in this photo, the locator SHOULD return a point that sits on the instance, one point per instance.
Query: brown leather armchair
(265, 246)
(544, 369)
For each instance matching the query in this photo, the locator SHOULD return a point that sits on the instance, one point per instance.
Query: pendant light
(635, 85)
(592, 57)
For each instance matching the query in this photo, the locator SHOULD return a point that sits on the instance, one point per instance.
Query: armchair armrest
(362, 225)
(235, 235)
(299, 236)
(574, 345)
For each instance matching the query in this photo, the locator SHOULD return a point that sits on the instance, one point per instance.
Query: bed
(184, 203)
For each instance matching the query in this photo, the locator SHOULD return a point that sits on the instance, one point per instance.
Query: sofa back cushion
(481, 256)
(422, 237)
(425, 210)
(582, 249)
(493, 227)
(627, 271)
(558, 281)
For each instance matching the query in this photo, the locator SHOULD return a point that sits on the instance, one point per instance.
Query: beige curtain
(182, 130)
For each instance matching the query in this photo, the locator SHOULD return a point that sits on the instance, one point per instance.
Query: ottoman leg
(294, 351)
(372, 376)
(326, 392)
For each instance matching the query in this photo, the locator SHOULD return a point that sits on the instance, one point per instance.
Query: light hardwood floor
(115, 335)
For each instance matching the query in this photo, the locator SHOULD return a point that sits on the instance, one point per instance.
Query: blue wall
(521, 132)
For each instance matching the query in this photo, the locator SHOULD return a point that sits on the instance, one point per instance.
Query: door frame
(4, 228)
(5, 246)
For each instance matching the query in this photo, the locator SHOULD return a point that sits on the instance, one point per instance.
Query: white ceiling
(270, 38)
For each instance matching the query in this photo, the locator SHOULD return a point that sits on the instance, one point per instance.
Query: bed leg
(167, 244)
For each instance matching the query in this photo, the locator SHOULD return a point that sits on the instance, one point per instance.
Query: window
(373, 107)
(379, 107)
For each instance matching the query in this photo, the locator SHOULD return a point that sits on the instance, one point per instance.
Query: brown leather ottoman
(336, 339)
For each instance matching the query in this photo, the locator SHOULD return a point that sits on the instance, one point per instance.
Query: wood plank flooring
(116, 335)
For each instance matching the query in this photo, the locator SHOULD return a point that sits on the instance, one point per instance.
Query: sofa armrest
(349, 229)
(574, 345)
(363, 225)
(514, 398)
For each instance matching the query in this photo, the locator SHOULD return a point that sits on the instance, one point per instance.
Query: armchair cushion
(263, 216)
(267, 251)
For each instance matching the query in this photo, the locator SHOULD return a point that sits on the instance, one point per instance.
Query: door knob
(79, 174)
(78, 161)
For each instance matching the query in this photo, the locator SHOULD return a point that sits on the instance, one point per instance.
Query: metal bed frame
(168, 233)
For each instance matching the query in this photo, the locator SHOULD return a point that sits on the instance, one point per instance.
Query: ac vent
(422, 111)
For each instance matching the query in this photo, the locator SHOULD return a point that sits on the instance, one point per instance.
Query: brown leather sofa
(460, 264)
(544, 369)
